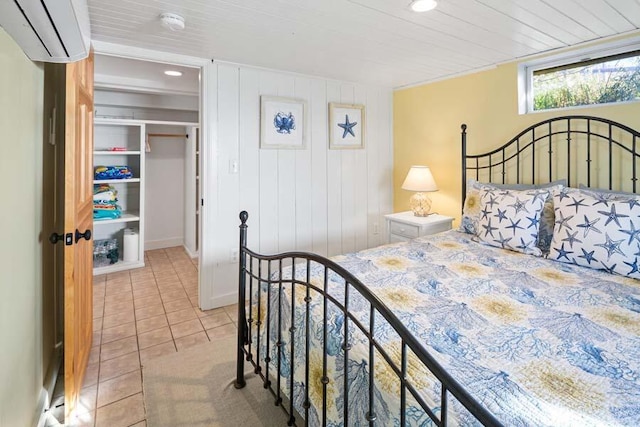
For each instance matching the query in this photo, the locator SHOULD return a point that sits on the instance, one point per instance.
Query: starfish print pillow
(597, 230)
(510, 219)
(471, 209)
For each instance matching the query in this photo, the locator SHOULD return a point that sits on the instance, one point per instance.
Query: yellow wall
(21, 98)
(427, 123)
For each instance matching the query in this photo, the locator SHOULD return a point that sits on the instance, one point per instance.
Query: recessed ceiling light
(423, 5)
(173, 73)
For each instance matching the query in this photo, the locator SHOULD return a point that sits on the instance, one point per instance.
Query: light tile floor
(139, 315)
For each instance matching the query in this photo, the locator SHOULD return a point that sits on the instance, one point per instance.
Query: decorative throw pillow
(511, 219)
(471, 210)
(597, 230)
(547, 220)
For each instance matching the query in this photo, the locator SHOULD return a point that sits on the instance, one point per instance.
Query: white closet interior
(148, 122)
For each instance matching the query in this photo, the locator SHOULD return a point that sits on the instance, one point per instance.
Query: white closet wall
(164, 188)
(316, 199)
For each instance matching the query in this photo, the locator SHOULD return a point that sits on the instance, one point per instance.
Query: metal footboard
(266, 271)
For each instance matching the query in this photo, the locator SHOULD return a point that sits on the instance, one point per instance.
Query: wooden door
(78, 219)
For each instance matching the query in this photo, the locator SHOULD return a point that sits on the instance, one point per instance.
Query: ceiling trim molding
(131, 52)
(630, 37)
(616, 41)
(299, 74)
(450, 76)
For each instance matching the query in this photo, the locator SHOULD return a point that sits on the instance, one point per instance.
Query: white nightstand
(404, 226)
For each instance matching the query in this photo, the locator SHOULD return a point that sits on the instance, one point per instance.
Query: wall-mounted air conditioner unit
(48, 30)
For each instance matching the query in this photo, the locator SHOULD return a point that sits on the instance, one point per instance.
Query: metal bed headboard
(554, 148)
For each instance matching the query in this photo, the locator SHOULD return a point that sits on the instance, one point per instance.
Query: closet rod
(167, 135)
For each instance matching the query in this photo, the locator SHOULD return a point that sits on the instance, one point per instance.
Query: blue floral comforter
(535, 341)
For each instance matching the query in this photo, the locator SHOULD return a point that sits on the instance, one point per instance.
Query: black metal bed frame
(567, 136)
(507, 160)
(250, 280)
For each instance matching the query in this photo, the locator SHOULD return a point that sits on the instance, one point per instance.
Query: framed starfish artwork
(346, 126)
(282, 123)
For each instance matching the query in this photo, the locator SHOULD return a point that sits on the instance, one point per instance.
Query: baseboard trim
(46, 393)
(52, 376)
(41, 415)
(192, 255)
(223, 300)
(150, 245)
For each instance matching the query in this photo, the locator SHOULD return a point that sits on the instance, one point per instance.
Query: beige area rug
(195, 388)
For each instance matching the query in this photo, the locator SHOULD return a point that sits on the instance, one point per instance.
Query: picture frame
(283, 123)
(346, 126)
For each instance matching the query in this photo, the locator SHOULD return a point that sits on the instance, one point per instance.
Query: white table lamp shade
(419, 178)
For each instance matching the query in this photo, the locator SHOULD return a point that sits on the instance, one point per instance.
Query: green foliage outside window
(587, 83)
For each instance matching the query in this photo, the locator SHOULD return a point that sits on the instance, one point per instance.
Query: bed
(454, 329)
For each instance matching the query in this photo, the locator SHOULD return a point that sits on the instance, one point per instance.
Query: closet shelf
(125, 217)
(115, 181)
(118, 266)
(137, 122)
(130, 135)
(116, 153)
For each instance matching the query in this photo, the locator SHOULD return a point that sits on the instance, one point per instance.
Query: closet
(146, 161)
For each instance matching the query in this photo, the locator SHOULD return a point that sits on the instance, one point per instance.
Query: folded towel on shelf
(101, 214)
(103, 188)
(112, 172)
(110, 206)
(104, 193)
(107, 196)
(105, 202)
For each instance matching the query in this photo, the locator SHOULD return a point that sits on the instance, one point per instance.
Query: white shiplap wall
(320, 200)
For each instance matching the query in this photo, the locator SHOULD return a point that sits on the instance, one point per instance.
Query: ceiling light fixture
(172, 21)
(173, 73)
(423, 5)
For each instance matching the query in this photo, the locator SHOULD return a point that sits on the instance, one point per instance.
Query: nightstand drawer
(406, 230)
(403, 226)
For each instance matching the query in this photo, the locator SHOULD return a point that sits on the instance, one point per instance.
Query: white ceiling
(369, 41)
(144, 76)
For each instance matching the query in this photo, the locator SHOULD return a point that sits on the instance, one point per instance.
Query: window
(605, 76)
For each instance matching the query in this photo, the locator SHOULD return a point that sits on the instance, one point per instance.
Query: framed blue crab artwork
(282, 123)
(346, 126)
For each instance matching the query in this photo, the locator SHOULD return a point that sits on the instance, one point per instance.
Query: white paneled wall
(320, 200)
